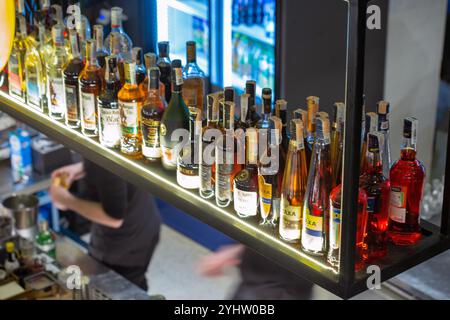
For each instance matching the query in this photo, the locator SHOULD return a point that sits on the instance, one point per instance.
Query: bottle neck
(116, 20)
(408, 149)
(374, 162)
(177, 81)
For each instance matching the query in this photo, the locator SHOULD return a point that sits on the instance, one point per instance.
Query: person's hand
(215, 263)
(65, 176)
(60, 197)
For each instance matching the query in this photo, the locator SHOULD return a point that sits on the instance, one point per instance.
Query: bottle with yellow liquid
(16, 63)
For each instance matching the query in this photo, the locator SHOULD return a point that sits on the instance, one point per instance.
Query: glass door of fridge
(185, 20)
(249, 43)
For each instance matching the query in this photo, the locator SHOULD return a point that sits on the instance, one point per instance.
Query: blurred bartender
(125, 221)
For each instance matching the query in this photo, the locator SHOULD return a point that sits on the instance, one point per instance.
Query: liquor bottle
(407, 179)
(151, 115)
(316, 203)
(150, 62)
(130, 105)
(91, 83)
(83, 36)
(335, 229)
(109, 129)
(246, 181)
(376, 187)
(164, 66)
(116, 26)
(268, 175)
(187, 164)
(35, 77)
(250, 88)
(71, 85)
(45, 47)
(16, 62)
(207, 149)
(194, 78)
(228, 96)
(115, 39)
(337, 142)
(136, 57)
(45, 17)
(313, 107)
(11, 263)
(293, 186)
(102, 53)
(59, 21)
(225, 159)
(383, 110)
(281, 113)
(244, 120)
(175, 117)
(371, 126)
(55, 80)
(45, 241)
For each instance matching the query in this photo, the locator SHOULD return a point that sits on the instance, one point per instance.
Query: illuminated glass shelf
(255, 32)
(193, 8)
(163, 184)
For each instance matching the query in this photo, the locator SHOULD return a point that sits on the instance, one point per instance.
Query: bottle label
(109, 126)
(190, 96)
(384, 125)
(188, 178)
(33, 92)
(397, 207)
(178, 76)
(72, 102)
(206, 177)
(167, 157)
(150, 134)
(224, 181)
(266, 195)
(14, 79)
(312, 235)
(290, 216)
(56, 92)
(88, 103)
(245, 202)
(129, 112)
(335, 227)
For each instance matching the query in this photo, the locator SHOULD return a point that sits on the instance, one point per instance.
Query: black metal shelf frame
(163, 184)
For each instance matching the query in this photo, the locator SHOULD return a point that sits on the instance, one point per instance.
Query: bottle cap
(191, 55)
(338, 115)
(383, 107)
(116, 17)
(130, 72)
(10, 247)
(81, 27)
(20, 6)
(371, 122)
(297, 130)
(229, 94)
(43, 225)
(312, 103)
(323, 129)
(58, 12)
(164, 49)
(177, 72)
(212, 106)
(150, 60)
(267, 100)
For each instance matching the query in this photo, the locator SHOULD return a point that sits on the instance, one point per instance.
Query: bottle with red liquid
(407, 179)
(376, 187)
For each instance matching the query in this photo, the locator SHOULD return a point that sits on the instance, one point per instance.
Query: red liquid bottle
(407, 179)
(377, 189)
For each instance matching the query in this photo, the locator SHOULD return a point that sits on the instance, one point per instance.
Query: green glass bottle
(45, 240)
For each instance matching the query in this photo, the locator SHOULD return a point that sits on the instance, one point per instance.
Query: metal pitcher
(23, 209)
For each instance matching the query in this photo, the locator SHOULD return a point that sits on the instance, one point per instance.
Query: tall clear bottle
(115, 39)
(16, 62)
(136, 56)
(337, 142)
(175, 117)
(71, 84)
(91, 84)
(116, 26)
(294, 185)
(102, 53)
(383, 111)
(109, 129)
(164, 66)
(83, 36)
(194, 78)
(207, 149)
(316, 203)
(130, 105)
(55, 75)
(313, 107)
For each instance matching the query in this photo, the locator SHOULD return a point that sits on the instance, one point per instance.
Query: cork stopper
(383, 107)
(312, 103)
(191, 53)
(323, 129)
(150, 60)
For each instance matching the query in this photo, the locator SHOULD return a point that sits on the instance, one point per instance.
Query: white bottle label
(245, 202)
(335, 228)
(88, 103)
(397, 207)
(188, 179)
(109, 127)
(312, 233)
(56, 96)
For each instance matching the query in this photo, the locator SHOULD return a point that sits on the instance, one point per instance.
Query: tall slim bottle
(83, 36)
(250, 89)
(35, 77)
(337, 142)
(371, 126)
(152, 112)
(194, 78)
(115, 39)
(316, 203)
(376, 186)
(71, 84)
(175, 117)
(165, 68)
(294, 185)
(102, 53)
(207, 149)
(116, 26)
(55, 78)
(407, 180)
(109, 128)
(244, 120)
(150, 62)
(130, 105)
(91, 83)
(136, 56)
(313, 107)
(16, 62)
(383, 111)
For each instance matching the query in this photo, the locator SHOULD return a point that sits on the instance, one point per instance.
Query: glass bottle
(376, 187)
(383, 111)
(150, 62)
(55, 78)
(243, 122)
(187, 164)
(407, 180)
(16, 62)
(293, 186)
(312, 107)
(116, 26)
(316, 203)
(35, 77)
(45, 241)
(91, 83)
(136, 56)
(337, 142)
(58, 20)
(108, 107)
(71, 84)
(302, 115)
(246, 181)
(175, 117)
(164, 66)
(228, 96)
(335, 229)
(371, 126)
(194, 78)
(250, 88)
(115, 52)
(102, 53)
(130, 105)
(152, 112)
(83, 36)
(207, 149)
(281, 113)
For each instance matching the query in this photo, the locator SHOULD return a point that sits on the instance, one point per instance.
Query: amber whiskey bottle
(194, 78)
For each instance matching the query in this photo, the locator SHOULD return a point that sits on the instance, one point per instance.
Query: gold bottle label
(88, 103)
(56, 91)
(150, 132)
(265, 194)
(129, 117)
(291, 216)
(71, 103)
